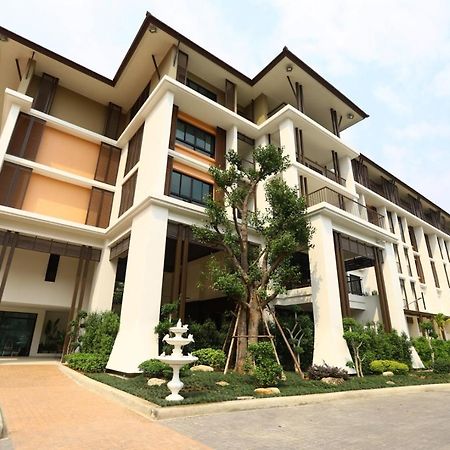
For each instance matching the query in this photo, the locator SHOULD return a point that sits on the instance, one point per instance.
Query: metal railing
(353, 207)
(330, 174)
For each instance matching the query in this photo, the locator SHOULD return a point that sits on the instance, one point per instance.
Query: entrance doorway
(16, 333)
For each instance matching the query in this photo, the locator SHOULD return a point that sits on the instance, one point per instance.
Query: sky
(392, 58)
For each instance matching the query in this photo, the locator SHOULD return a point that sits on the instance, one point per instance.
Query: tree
(356, 337)
(441, 320)
(254, 273)
(427, 327)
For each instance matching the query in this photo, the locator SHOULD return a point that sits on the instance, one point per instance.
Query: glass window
(404, 296)
(408, 263)
(189, 188)
(195, 138)
(402, 231)
(397, 259)
(201, 90)
(391, 222)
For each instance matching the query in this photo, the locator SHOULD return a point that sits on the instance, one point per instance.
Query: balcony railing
(355, 208)
(330, 174)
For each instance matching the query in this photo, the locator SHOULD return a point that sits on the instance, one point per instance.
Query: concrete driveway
(401, 421)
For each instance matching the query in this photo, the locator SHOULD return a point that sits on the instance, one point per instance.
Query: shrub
(153, 368)
(423, 349)
(267, 371)
(100, 331)
(211, 357)
(86, 362)
(440, 348)
(383, 365)
(442, 365)
(317, 372)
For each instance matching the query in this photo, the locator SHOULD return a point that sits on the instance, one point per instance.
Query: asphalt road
(402, 421)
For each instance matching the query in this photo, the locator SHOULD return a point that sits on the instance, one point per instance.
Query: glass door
(16, 333)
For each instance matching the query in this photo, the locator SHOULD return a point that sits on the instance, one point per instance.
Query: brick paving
(44, 409)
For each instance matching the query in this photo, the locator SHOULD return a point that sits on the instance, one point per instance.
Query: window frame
(188, 198)
(201, 89)
(196, 131)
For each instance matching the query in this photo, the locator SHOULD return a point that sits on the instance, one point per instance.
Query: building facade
(102, 178)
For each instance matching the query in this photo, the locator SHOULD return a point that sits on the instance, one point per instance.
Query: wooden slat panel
(182, 66)
(113, 121)
(107, 164)
(26, 137)
(221, 142)
(127, 197)
(46, 93)
(230, 95)
(173, 128)
(13, 184)
(134, 149)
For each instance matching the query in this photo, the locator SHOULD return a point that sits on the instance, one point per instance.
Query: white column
(7, 131)
(260, 191)
(287, 142)
(394, 298)
(137, 340)
(231, 139)
(329, 345)
(346, 170)
(103, 283)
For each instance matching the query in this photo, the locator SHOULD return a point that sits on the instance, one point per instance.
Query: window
(134, 149)
(391, 222)
(413, 289)
(189, 189)
(412, 237)
(402, 231)
(408, 262)
(397, 259)
(435, 275)
(354, 285)
(52, 268)
(404, 296)
(195, 138)
(128, 189)
(427, 241)
(446, 275)
(419, 268)
(201, 90)
(446, 249)
(440, 248)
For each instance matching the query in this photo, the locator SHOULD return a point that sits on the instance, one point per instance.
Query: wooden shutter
(173, 128)
(134, 149)
(107, 164)
(26, 137)
(46, 93)
(13, 184)
(127, 198)
(230, 95)
(221, 142)
(99, 210)
(168, 175)
(182, 67)
(113, 121)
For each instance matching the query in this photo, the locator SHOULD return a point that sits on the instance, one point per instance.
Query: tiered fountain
(177, 360)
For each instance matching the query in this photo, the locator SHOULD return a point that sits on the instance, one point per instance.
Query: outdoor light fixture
(350, 116)
(3, 38)
(289, 68)
(152, 29)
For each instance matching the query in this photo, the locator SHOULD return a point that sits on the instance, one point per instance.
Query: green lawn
(201, 387)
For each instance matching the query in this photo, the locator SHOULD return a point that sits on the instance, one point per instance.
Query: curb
(153, 411)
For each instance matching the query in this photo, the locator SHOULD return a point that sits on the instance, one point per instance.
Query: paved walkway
(45, 410)
(413, 421)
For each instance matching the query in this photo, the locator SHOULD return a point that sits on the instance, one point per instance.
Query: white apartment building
(102, 178)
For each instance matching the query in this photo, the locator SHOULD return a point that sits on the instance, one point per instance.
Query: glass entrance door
(16, 333)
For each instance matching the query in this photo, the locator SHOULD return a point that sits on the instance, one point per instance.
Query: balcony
(323, 170)
(347, 204)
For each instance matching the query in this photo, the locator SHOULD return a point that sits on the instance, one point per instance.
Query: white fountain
(177, 360)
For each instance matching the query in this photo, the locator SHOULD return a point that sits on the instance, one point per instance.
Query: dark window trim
(197, 132)
(52, 268)
(201, 89)
(189, 198)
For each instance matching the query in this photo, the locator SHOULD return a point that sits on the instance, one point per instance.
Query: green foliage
(75, 328)
(427, 327)
(267, 371)
(87, 362)
(317, 372)
(153, 368)
(425, 347)
(210, 357)
(100, 331)
(207, 334)
(441, 365)
(383, 365)
(377, 344)
(53, 338)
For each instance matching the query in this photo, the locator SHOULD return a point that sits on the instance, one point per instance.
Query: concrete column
(7, 131)
(345, 167)
(394, 299)
(329, 345)
(103, 283)
(261, 109)
(231, 139)
(287, 142)
(137, 341)
(260, 192)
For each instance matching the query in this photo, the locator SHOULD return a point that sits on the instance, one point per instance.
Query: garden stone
(331, 380)
(388, 374)
(390, 382)
(202, 368)
(267, 391)
(222, 383)
(156, 381)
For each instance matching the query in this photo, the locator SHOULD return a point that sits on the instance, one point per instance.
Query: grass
(200, 387)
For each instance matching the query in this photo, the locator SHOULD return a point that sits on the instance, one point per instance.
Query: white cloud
(441, 82)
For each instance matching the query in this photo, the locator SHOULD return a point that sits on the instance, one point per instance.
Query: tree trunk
(254, 319)
(241, 351)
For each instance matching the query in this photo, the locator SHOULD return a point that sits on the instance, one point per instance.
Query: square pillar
(137, 340)
(287, 142)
